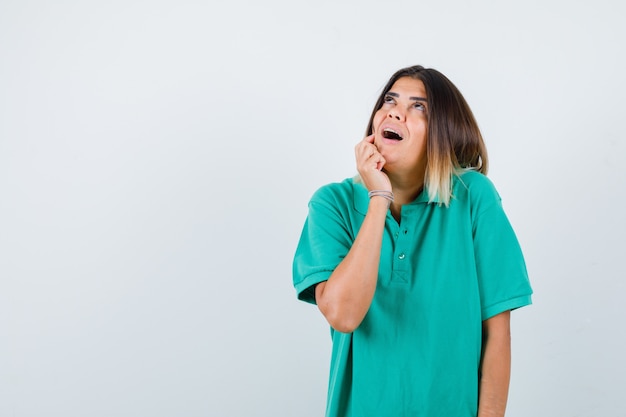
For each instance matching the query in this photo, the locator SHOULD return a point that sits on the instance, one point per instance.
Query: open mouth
(391, 134)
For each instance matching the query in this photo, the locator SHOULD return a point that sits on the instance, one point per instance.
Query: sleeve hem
(503, 306)
(306, 288)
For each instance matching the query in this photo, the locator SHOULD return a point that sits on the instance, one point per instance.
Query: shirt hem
(511, 304)
(306, 288)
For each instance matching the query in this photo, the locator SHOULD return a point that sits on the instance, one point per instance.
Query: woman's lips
(392, 134)
(392, 131)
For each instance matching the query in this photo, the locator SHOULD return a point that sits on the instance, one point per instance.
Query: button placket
(400, 267)
(401, 255)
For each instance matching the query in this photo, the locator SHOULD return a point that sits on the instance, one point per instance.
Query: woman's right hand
(369, 163)
(347, 295)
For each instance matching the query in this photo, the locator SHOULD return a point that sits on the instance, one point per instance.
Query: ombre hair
(453, 142)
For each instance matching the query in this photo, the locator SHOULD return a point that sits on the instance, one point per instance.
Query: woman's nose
(396, 114)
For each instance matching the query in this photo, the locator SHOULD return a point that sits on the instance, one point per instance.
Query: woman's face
(400, 126)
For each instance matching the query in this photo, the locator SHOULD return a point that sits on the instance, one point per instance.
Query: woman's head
(453, 139)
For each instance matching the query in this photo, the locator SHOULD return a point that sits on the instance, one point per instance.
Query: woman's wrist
(388, 195)
(381, 198)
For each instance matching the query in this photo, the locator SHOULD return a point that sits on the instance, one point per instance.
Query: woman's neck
(405, 188)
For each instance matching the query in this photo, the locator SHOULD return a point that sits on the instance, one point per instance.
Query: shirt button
(401, 256)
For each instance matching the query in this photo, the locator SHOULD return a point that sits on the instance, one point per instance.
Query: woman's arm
(345, 298)
(495, 366)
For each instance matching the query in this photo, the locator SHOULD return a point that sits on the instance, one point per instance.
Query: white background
(156, 159)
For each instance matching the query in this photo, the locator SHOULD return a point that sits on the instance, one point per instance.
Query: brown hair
(454, 142)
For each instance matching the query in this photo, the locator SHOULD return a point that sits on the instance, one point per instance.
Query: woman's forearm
(346, 297)
(495, 366)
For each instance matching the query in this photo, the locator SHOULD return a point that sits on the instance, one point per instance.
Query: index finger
(369, 138)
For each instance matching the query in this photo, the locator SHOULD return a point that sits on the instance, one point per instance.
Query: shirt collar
(361, 199)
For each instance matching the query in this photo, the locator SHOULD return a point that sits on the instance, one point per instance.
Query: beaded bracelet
(381, 193)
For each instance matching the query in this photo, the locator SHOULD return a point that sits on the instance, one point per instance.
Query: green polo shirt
(443, 270)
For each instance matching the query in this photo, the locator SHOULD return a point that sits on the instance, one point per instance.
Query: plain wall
(157, 157)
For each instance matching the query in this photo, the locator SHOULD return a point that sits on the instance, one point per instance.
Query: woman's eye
(420, 106)
(388, 99)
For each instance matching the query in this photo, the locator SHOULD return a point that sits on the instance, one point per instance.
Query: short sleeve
(501, 269)
(325, 240)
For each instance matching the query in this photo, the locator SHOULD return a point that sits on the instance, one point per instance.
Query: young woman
(414, 263)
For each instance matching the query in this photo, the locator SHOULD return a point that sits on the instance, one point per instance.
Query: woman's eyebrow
(392, 94)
